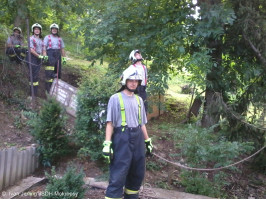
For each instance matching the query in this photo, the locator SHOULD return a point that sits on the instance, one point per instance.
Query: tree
(211, 47)
(15, 12)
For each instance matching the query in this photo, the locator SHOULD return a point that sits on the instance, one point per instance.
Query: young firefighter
(14, 44)
(136, 59)
(125, 140)
(54, 49)
(36, 47)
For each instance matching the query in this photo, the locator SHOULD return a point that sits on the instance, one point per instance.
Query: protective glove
(148, 146)
(107, 150)
(64, 59)
(17, 46)
(40, 56)
(45, 58)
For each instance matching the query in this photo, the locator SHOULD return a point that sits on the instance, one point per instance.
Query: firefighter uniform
(127, 166)
(53, 45)
(142, 69)
(15, 53)
(36, 43)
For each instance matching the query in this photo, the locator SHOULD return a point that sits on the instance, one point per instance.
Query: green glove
(17, 46)
(107, 150)
(148, 146)
(64, 59)
(40, 56)
(45, 58)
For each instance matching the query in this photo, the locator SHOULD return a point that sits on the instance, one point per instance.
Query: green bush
(202, 148)
(70, 186)
(198, 183)
(47, 129)
(93, 96)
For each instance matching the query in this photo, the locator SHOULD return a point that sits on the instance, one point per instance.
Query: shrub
(198, 183)
(201, 148)
(93, 97)
(48, 131)
(70, 186)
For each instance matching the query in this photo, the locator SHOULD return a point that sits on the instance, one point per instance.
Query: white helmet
(132, 56)
(54, 26)
(17, 28)
(36, 25)
(131, 73)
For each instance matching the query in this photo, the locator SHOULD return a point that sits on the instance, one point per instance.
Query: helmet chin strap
(130, 90)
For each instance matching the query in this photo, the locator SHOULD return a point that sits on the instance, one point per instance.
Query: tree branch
(257, 52)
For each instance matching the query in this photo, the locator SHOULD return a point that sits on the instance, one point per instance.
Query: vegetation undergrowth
(93, 96)
(70, 186)
(48, 130)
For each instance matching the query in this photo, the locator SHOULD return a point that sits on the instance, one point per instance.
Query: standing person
(125, 139)
(54, 49)
(136, 58)
(14, 44)
(36, 48)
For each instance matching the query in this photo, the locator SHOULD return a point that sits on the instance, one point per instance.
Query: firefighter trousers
(141, 91)
(127, 167)
(16, 54)
(53, 68)
(35, 68)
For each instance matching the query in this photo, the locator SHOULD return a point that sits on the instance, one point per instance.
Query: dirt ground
(11, 134)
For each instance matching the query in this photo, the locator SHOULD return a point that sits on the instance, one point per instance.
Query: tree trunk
(22, 13)
(211, 114)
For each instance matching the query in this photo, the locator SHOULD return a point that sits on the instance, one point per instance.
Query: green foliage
(30, 115)
(198, 183)
(200, 146)
(70, 186)
(114, 30)
(47, 129)
(162, 184)
(177, 109)
(3, 32)
(153, 166)
(93, 97)
(18, 123)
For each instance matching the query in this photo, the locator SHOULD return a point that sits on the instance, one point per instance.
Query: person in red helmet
(125, 139)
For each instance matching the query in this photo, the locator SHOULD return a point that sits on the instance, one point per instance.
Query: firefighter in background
(125, 138)
(36, 48)
(14, 46)
(136, 58)
(53, 47)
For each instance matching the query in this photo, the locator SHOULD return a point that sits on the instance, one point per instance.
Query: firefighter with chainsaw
(125, 139)
(136, 58)
(54, 49)
(14, 46)
(36, 48)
